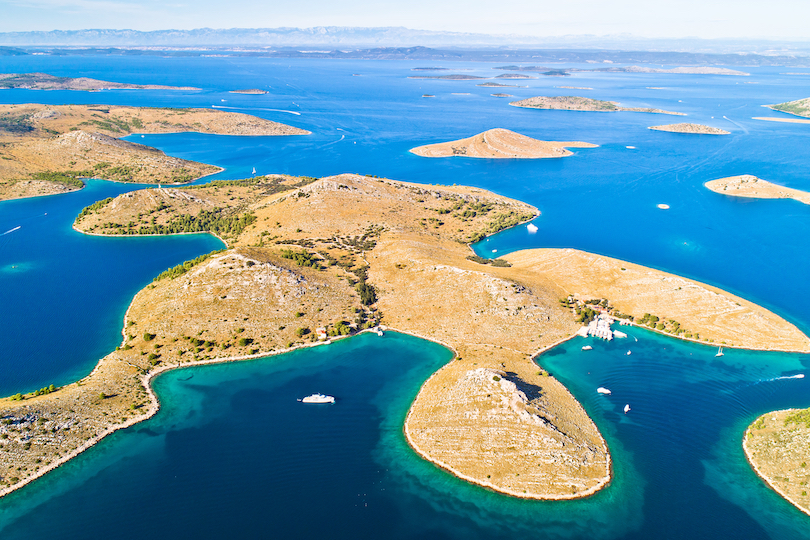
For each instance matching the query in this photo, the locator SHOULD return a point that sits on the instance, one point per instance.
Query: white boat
(587, 348)
(626, 408)
(318, 398)
(254, 170)
(603, 390)
(629, 353)
(719, 352)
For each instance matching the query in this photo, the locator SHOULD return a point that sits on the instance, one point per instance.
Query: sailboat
(626, 408)
(719, 352)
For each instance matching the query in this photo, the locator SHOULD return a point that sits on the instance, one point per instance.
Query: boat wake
(11, 230)
(799, 376)
(255, 109)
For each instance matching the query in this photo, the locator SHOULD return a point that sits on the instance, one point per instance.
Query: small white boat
(318, 398)
(532, 228)
(719, 352)
(378, 331)
(629, 353)
(587, 348)
(626, 408)
(254, 170)
(603, 390)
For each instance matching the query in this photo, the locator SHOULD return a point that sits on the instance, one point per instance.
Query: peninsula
(691, 128)
(43, 81)
(47, 149)
(800, 107)
(309, 260)
(574, 103)
(249, 91)
(500, 143)
(752, 187)
(776, 447)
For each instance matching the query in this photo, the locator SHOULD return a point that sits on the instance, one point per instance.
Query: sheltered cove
(347, 252)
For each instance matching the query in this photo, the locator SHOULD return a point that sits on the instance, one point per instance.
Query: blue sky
(778, 19)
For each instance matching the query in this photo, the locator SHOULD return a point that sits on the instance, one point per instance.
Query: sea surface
(232, 451)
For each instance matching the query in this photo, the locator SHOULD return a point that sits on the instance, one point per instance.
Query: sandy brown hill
(500, 143)
(348, 252)
(60, 144)
(752, 187)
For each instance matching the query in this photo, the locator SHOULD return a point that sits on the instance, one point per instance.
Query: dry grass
(779, 451)
(500, 143)
(750, 186)
(409, 242)
(83, 140)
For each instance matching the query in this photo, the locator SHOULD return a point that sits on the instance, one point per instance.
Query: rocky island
(575, 103)
(46, 149)
(500, 143)
(752, 187)
(310, 260)
(43, 81)
(691, 128)
(249, 91)
(776, 445)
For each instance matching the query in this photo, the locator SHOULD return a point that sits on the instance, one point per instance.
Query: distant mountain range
(357, 37)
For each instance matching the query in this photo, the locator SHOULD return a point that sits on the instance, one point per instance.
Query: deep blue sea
(232, 451)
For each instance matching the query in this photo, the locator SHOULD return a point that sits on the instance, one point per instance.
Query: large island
(46, 149)
(311, 260)
(575, 103)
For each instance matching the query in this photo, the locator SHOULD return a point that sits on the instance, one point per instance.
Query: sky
(708, 19)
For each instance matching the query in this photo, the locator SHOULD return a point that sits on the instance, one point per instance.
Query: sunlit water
(232, 451)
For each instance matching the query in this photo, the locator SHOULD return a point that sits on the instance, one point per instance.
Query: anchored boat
(318, 398)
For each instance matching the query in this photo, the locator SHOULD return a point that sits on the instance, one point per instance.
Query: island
(752, 187)
(575, 103)
(43, 81)
(777, 449)
(311, 260)
(454, 77)
(575, 87)
(498, 85)
(514, 76)
(249, 91)
(501, 95)
(47, 149)
(500, 143)
(800, 107)
(691, 128)
(681, 70)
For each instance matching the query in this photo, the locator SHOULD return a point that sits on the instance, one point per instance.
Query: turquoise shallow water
(233, 452)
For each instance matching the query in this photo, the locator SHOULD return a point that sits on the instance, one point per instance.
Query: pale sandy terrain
(575, 103)
(777, 446)
(752, 187)
(79, 141)
(691, 128)
(717, 316)
(500, 143)
(409, 242)
(775, 119)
